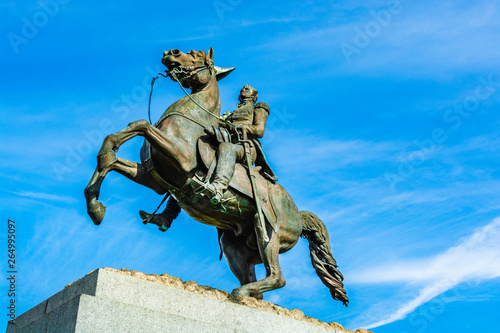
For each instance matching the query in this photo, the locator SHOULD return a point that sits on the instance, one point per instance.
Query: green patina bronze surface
(205, 162)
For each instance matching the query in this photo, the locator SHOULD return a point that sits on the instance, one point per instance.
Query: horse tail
(321, 257)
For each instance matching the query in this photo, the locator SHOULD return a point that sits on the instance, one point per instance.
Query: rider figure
(249, 117)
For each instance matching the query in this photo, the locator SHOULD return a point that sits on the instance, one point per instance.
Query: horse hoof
(96, 212)
(240, 292)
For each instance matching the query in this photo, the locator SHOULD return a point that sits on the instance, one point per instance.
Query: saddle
(240, 181)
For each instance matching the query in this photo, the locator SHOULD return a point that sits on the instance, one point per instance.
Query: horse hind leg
(239, 258)
(269, 256)
(132, 170)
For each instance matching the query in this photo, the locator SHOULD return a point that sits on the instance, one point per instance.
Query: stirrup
(217, 198)
(208, 190)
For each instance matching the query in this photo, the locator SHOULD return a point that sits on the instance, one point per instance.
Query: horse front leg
(107, 161)
(95, 209)
(113, 142)
(106, 158)
(133, 171)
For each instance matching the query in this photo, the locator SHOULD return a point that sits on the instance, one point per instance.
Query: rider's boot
(214, 191)
(222, 178)
(226, 160)
(165, 219)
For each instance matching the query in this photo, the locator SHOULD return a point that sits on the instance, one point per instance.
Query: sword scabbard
(260, 222)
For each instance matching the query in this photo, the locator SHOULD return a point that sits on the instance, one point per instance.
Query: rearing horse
(172, 156)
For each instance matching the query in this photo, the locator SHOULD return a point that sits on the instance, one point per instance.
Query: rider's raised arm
(261, 112)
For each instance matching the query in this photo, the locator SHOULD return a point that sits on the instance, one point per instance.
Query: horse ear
(211, 54)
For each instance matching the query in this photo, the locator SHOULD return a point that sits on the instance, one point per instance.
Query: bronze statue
(178, 157)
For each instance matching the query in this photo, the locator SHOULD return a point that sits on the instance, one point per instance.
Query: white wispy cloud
(45, 196)
(475, 258)
(343, 180)
(319, 153)
(417, 42)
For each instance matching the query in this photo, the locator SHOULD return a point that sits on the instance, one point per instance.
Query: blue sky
(384, 122)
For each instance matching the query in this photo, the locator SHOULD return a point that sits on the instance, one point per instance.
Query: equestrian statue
(213, 167)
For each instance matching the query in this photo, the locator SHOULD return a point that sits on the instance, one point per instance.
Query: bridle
(174, 75)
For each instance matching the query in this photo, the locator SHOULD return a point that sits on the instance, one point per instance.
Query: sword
(260, 223)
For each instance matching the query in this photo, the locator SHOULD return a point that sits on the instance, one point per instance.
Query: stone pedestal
(108, 300)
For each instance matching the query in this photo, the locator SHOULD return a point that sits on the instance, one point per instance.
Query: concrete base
(108, 300)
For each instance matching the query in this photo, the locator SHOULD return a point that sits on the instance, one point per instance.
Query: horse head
(193, 69)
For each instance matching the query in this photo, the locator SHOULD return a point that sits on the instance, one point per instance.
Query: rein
(192, 99)
(151, 94)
